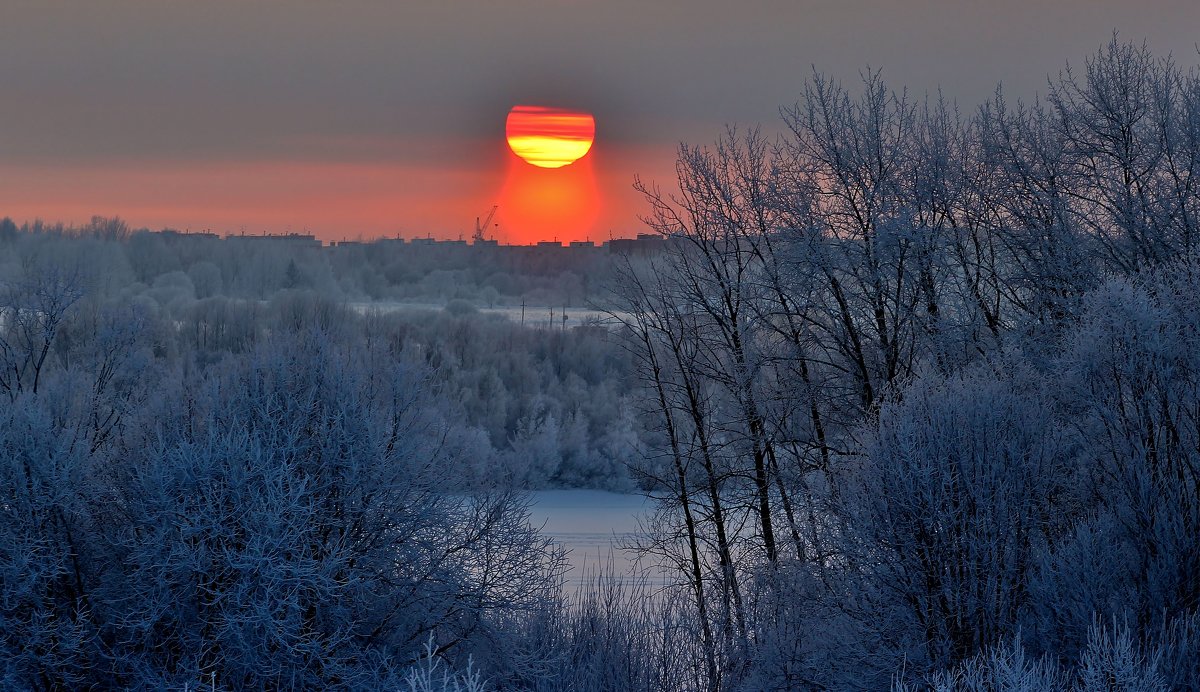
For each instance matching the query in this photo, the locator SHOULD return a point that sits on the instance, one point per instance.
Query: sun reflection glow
(537, 203)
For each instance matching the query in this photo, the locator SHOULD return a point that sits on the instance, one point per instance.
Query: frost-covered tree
(958, 491)
(300, 533)
(291, 517)
(1132, 400)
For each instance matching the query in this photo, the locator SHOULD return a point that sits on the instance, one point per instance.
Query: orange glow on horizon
(538, 203)
(437, 197)
(549, 137)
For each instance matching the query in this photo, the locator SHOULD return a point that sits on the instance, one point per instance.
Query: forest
(915, 392)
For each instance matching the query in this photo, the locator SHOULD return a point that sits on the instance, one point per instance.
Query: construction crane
(479, 227)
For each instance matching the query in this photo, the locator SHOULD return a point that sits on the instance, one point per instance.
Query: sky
(369, 118)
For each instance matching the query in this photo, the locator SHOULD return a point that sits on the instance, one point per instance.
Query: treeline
(927, 388)
(542, 407)
(380, 271)
(554, 403)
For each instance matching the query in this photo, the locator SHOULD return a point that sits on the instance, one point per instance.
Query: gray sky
(412, 84)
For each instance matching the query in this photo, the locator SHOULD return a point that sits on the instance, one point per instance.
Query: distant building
(643, 244)
(184, 236)
(289, 239)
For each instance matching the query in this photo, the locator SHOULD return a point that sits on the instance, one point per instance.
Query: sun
(549, 137)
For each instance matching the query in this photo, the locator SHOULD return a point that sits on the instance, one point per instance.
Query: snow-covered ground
(591, 524)
(537, 316)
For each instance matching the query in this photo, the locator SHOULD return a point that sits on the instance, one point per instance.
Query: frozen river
(590, 524)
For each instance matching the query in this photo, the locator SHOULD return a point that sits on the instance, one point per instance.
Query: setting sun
(549, 137)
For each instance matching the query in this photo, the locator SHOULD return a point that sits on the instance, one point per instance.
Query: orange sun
(549, 137)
